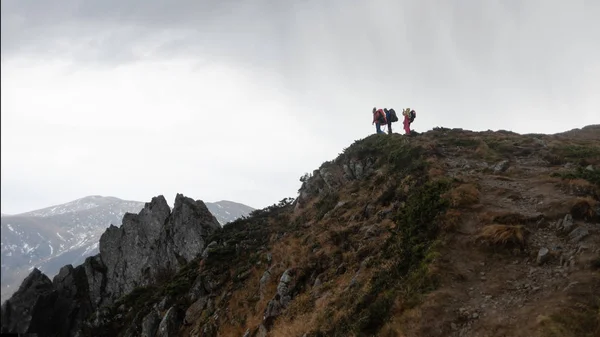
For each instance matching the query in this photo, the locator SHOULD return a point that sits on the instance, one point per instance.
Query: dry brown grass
(451, 220)
(503, 236)
(584, 208)
(293, 327)
(576, 313)
(579, 187)
(436, 172)
(464, 195)
(240, 305)
(483, 151)
(281, 252)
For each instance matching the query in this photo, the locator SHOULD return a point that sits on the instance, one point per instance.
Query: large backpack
(413, 115)
(381, 119)
(393, 116)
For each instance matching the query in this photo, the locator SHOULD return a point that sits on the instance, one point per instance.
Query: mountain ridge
(448, 233)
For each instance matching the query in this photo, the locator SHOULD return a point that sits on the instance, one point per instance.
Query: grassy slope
(377, 273)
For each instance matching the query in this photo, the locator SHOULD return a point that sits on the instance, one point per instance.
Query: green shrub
(578, 151)
(326, 203)
(411, 249)
(592, 176)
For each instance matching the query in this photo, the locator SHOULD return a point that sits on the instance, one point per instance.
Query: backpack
(413, 115)
(381, 118)
(393, 117)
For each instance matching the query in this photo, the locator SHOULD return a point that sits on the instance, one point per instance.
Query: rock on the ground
(543, 255)
(281, 299)
(195, 310)
(501, 166)
(578, 234)
(169, 326)
(566, 225)
(150, 324)
(265, 278)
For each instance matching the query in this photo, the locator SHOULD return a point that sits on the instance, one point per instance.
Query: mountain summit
(447, 233)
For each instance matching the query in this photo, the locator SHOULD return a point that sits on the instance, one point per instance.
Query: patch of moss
(409, 252)
(138, 297)
(326, 203)
(394, 150)
(501, 146)
(576, 321)
(462, 142)
(388, 195)
(578, 151)
(592, 176)
(406, 159)
(376, 313)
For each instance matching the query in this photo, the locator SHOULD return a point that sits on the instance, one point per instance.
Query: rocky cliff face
(68, 233)
(156, 242)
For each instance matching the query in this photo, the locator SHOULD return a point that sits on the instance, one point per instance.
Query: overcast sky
(227, 99)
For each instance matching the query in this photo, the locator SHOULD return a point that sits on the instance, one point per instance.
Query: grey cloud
(458, 51)
(438, 42)
(103, 29)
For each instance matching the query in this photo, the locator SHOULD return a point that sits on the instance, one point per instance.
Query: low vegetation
(590, 175)
(369, 254)
(507, 236)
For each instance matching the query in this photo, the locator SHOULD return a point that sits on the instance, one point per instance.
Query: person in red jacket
(379, 119)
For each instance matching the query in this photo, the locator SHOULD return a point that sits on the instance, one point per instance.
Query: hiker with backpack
(379, 119)
(391, 117)
(409, 117)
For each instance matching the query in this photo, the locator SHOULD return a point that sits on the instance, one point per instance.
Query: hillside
(448, 233)
(52, 237)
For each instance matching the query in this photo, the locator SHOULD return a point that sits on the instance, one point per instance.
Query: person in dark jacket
(389, 120)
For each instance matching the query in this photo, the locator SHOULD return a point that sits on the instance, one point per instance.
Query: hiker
(391, 117)
(412, 115)
(408, 118)
(379, 119)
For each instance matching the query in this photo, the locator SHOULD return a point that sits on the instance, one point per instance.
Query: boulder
(578, 234)
(501, 166)
(281, 299)
(543, 255)
(169, 326)
(150, 324)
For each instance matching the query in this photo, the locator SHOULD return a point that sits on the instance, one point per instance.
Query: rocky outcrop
(157, 240)
(153, 241)
(169, 325)
(330, 177)
(17, 312)
(358, 169)
(59, 306)
(281, 299)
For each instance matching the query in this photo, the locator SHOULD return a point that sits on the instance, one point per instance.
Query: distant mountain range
(52, 237)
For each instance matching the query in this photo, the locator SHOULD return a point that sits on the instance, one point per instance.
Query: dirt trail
(503, 292)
